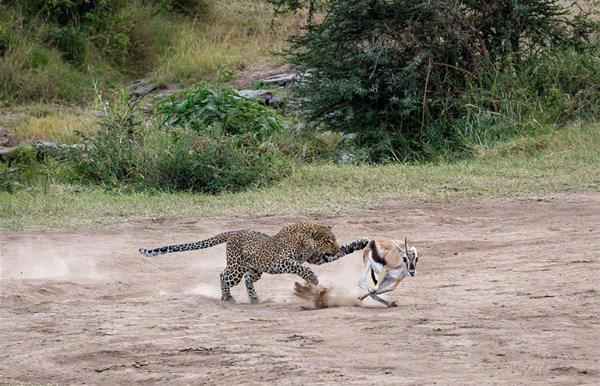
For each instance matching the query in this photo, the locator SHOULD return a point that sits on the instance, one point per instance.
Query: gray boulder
(265, 96)
(141, 88)
(8, 153)
(285, 80)
(54, 150)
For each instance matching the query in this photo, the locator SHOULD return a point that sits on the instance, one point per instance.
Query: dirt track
(506, 291)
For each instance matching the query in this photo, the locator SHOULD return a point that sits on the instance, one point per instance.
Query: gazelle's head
(409, 256)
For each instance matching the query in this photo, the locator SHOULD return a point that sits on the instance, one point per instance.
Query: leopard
(251, 253)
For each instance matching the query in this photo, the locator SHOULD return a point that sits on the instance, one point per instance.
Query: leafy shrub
(127, 152)
(223, 112)
(396, 72)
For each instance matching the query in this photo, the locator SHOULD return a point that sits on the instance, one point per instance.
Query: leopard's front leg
(321, 258)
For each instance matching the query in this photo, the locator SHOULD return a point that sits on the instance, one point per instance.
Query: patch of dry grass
(48, 122)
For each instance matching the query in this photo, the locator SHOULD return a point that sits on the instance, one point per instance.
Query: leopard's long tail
(218, 239)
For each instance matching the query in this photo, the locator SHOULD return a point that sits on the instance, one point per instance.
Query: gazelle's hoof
(392, 304)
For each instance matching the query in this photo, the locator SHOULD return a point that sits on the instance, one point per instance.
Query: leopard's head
(323, 240)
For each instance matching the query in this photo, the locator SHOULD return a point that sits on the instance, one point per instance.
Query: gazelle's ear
(328, 227)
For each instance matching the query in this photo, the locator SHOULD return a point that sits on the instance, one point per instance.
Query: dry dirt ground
(506, 292)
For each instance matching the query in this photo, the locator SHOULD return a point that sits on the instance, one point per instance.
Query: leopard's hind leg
(250, 278)
(234, 271)
(229, 278)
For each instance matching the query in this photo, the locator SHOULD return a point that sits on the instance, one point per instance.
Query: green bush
(225, 112)
(129, 34)
(397, 73)
(127, 152)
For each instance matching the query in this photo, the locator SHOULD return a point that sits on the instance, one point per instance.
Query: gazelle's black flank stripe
(375, 254)
(218, 239)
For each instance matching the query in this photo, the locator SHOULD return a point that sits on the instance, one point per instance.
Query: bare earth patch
(506, 292)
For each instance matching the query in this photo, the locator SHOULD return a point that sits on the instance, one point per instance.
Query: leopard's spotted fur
(250, 254)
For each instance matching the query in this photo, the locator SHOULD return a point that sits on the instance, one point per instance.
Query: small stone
(285, 80)
(263, 96)
(8, 153)
(141, 88)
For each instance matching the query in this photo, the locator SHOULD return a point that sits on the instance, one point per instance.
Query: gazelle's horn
(405, 244)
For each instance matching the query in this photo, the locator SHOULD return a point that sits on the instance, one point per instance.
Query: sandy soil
(506, 291)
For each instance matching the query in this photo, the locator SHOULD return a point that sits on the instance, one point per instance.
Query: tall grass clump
(197, 148)
(537, 95)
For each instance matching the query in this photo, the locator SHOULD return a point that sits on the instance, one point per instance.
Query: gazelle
(385, 258)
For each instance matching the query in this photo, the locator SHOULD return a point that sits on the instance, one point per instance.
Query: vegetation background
(425, 101)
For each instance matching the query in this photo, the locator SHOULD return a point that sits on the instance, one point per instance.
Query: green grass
(565, 160)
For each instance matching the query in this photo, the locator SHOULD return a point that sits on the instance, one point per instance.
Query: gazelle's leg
(382, 279)
(363, 277)
(385, 285)
(383, 301)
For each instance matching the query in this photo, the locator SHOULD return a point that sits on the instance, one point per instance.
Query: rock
(276, 101)
(46, 148)
(52, 149)
(265, 96)
(8, 153)
(140, 88)
(256, 94)
(285, 80)
(346, 158)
